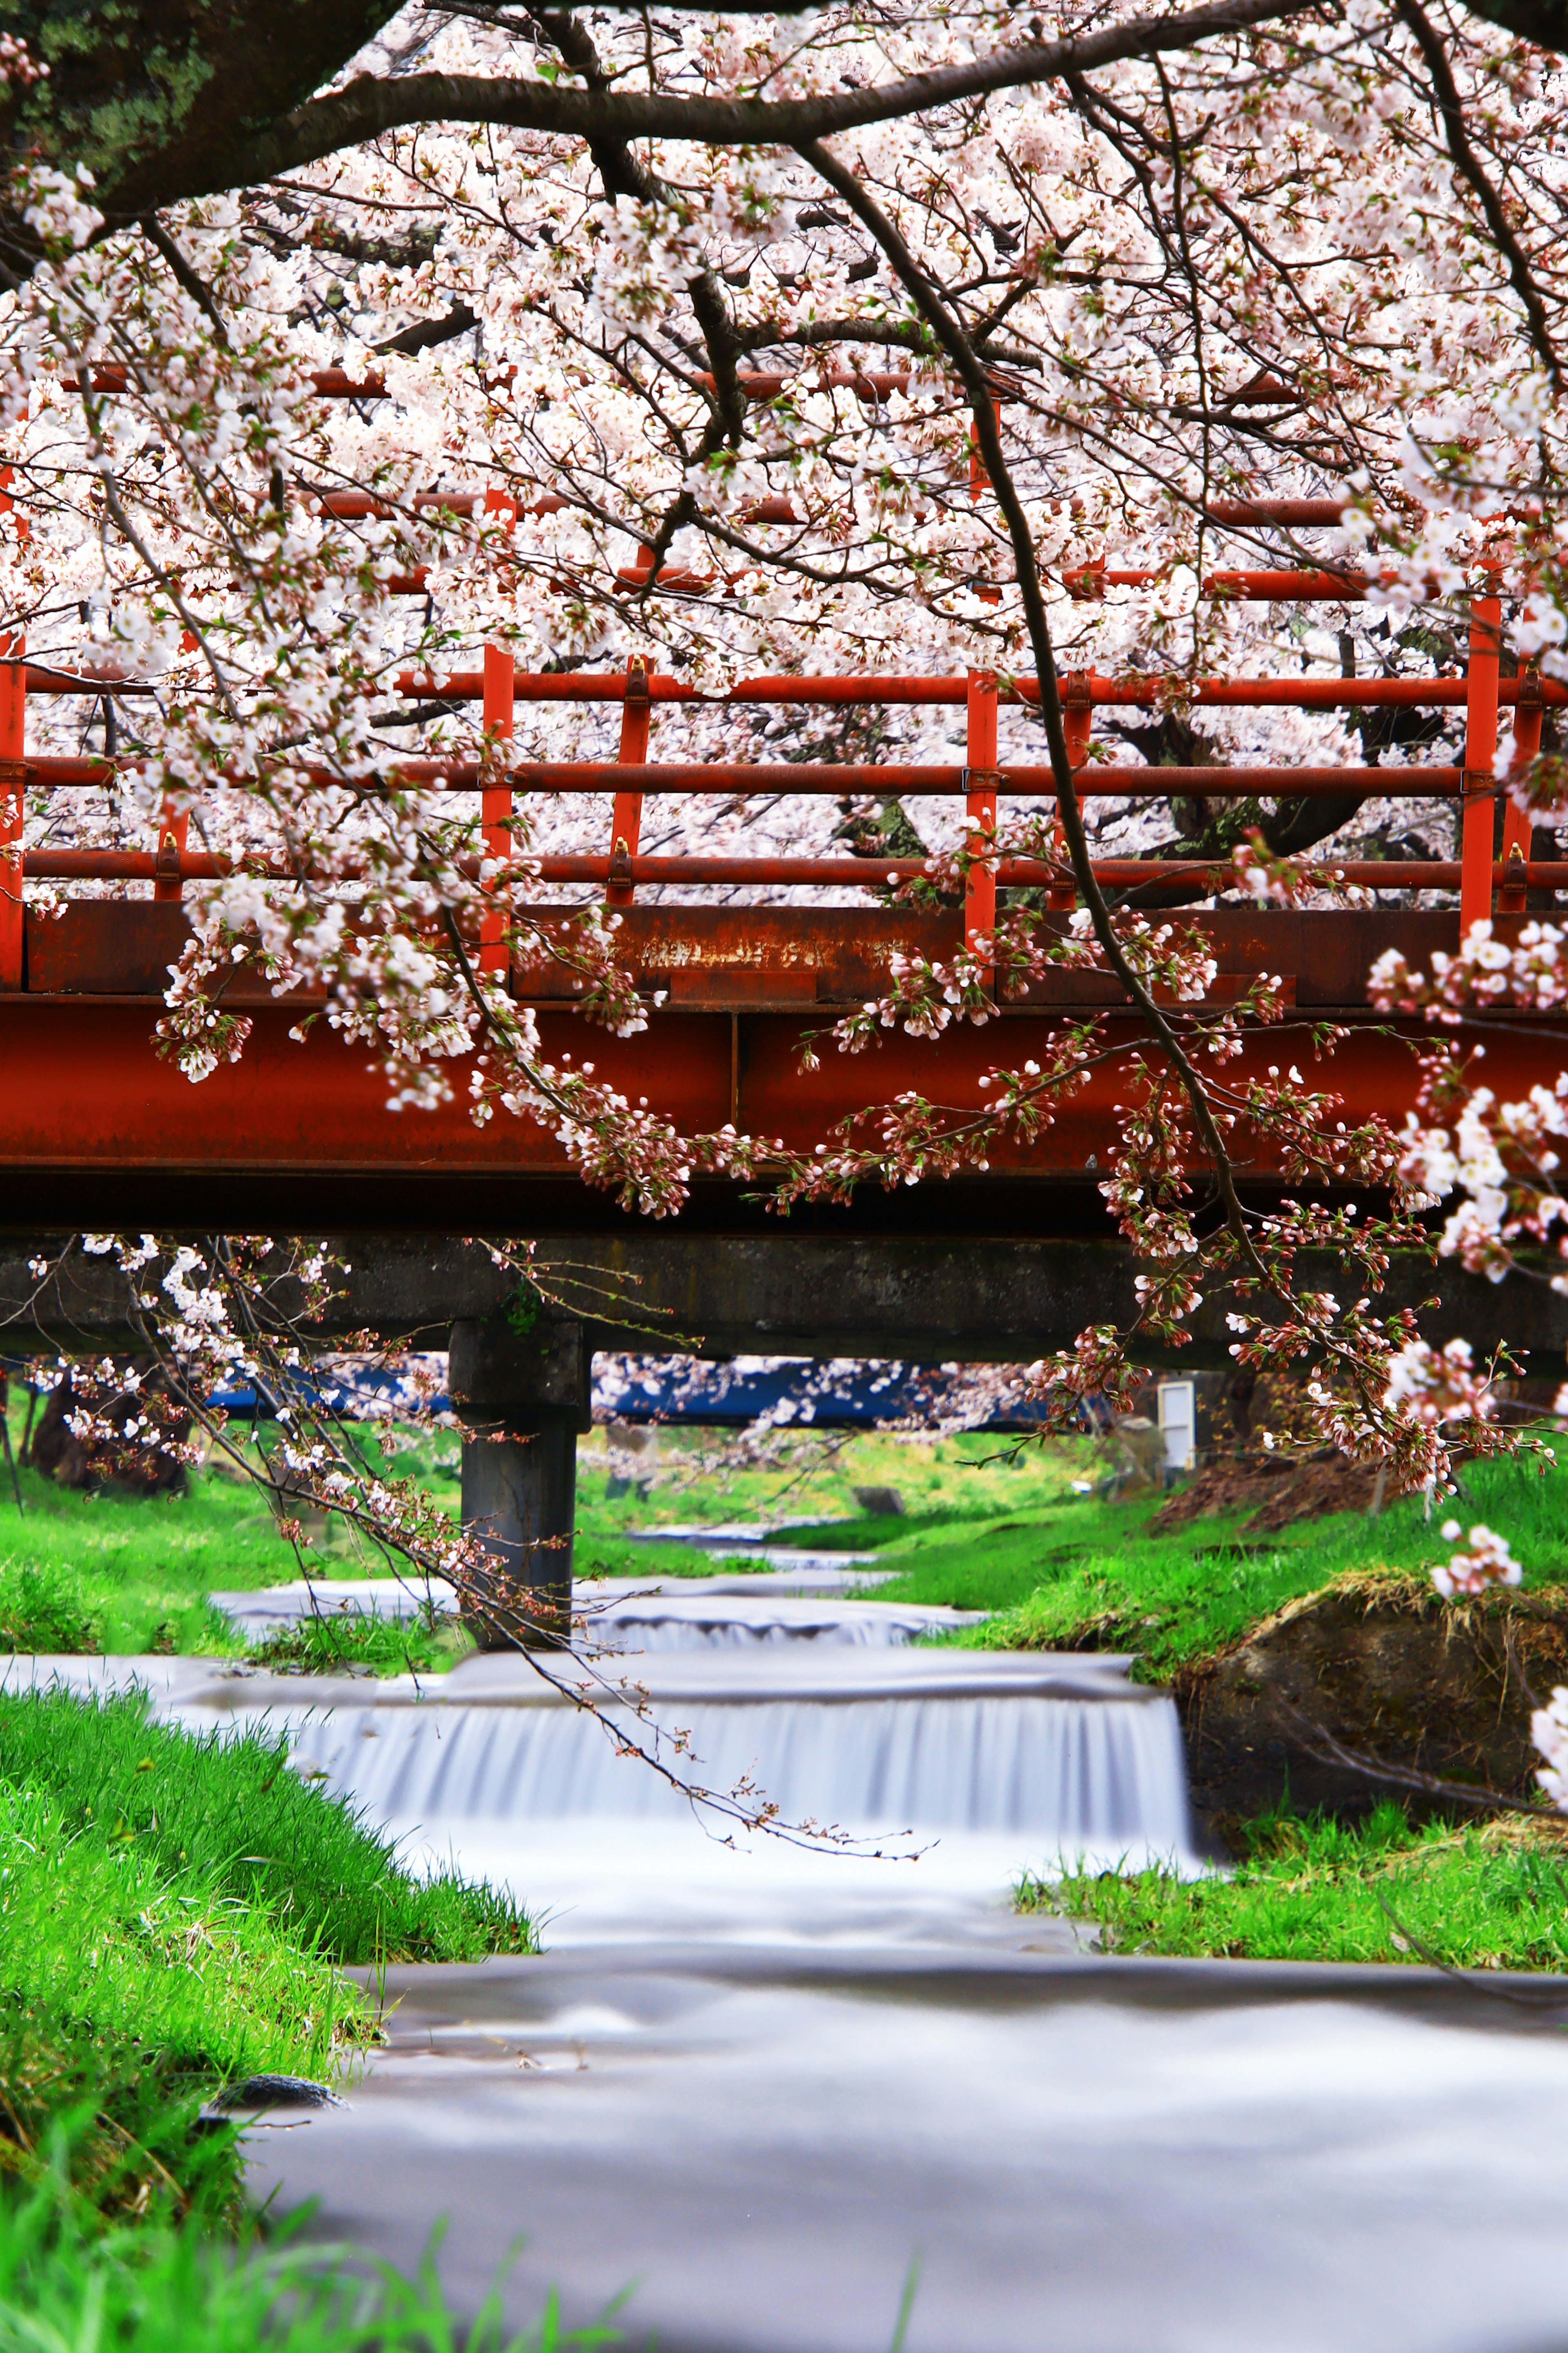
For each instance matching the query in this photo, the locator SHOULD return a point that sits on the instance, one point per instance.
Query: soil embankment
(1377, 1666)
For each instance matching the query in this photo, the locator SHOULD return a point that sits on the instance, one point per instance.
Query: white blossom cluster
(1488, 1562)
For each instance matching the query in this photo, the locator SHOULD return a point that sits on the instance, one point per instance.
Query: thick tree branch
(617, 166)
(370, 106)
(1468, 163)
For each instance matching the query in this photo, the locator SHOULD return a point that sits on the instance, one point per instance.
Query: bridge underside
(925, 1298)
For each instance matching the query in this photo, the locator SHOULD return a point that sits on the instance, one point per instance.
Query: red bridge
(96, 1129)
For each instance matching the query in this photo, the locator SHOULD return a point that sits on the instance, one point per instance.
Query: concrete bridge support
(524, 1395)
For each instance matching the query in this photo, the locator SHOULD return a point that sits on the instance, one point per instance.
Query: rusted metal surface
(84, 1087)
(1295, 514)
(1480, 757)
(747, 956)
(733, 990)
(1127, 877)
(495, 800)
(981, 781)
(734, 958)
(12, 741)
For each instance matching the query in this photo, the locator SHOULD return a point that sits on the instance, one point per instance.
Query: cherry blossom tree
(826, 342)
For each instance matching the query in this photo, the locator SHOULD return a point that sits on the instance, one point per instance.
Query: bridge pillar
(523, 1397)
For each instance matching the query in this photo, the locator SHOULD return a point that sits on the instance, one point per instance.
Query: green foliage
(155, 2289)
(326, 1644)
(954, 1483)
(521, 1310)
(176, 1913)
(1311, 1890)
(120, 1573)
(1087, 1574)
(130, 1990)
(44, 1609)
(230, 1806)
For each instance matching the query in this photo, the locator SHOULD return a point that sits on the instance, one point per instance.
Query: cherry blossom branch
(959, 348)
(1446, 97)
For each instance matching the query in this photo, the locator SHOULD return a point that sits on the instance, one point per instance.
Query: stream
(768, 2091)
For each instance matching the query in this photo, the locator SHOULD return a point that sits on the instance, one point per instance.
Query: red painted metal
(1292, 587)
(626, 818)
(1086, 581)
(980, 788)
(495, 800)
(1104, 693)
(1527, 718)
(52, 681)
(851, 873)
(320, 1105)
(173, 830)
(1077, 724)
(13, 743)
(1301, 514)
(1118, 780)
(1114, 781)
(331, 383)
(1480, 763)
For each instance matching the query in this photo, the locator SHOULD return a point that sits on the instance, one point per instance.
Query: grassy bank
(1081, 1573)
(175, 1915)
(1491, 1898)
(153, 2289)
(981, 1530)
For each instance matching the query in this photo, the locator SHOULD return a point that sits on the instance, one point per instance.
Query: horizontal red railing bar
(1097, 694)
(1109, 782)
(859, 873)
(81, 682)
(1303, 514)
(1102, 694)
(1275, 587)
(50, 772)
(1095, 781)
(332, 383)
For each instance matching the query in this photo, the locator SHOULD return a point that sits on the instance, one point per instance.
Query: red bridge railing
(634, 777)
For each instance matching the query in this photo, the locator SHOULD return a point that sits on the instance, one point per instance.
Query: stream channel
(767, 2090)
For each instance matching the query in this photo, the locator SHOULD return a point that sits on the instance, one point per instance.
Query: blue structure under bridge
(789, 1391)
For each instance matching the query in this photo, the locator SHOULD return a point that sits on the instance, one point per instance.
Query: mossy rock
(1383, 1668)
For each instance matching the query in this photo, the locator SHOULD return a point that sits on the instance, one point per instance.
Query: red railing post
(980, 778)
(173, 830)
(12, 782)
(626, 824)
(495, 800)
(1527, 716)
(1480, 763)
(1077, 721)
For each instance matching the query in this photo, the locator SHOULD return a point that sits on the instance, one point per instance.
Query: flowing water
(760, 2085)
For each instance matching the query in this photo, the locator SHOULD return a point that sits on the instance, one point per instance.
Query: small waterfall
(1073, 1774)
(673, 1620)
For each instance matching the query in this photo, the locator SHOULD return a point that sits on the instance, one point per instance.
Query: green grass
(983, 1529)
(161, 2290)
(1310, 1890)
(112, 1571)
(214, 1802)
(176, 1913)
(1088, 1573)
(338, 1638)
